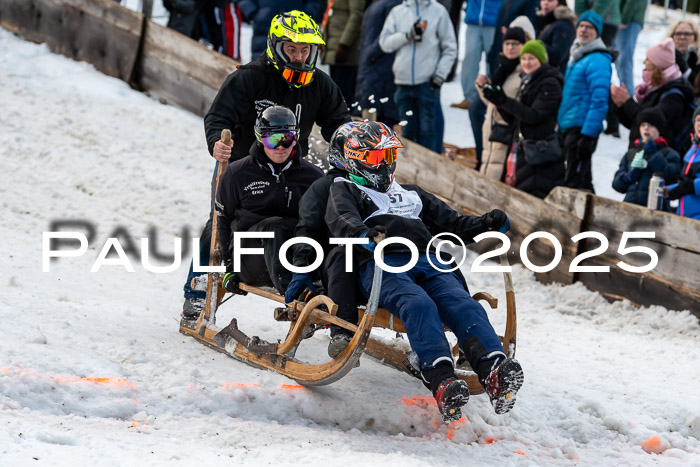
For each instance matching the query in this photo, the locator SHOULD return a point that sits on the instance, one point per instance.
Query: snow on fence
(155, 59)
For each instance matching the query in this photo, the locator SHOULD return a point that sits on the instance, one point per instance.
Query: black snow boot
(501, 378)
(192, 308)
(451, 395)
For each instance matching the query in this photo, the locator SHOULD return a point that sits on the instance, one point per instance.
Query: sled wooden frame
(280, 356)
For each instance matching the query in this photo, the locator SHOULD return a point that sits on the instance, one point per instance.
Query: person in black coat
(555, 26)
(289, 78)
(534, 115)
(261, 193)
(663, 87)
(375, 79)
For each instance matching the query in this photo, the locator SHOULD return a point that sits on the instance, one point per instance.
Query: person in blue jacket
(260, 13)
(649, 156)
(687, 190)
(585, 100)
(375, 81)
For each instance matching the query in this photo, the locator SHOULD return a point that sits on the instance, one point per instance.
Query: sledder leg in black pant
(342, 289)
(257, 270)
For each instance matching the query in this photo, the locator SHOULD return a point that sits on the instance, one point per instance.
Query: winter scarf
(506, 66)
(645, 88)
(578, 51)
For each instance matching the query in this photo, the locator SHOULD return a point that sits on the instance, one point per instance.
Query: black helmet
(276, 125)
(367, 151)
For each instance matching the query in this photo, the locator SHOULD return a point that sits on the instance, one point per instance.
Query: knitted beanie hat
(653, 116)
(514, 34)
(535, 48)
(663, 54)
(525, 24)
(593, 18)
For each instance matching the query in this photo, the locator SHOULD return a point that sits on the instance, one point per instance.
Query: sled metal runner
(280, 356)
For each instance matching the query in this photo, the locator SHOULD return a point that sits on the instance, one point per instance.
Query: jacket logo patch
(256, 188)
(263, 104)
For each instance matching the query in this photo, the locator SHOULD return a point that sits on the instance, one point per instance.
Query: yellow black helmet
(297, 27)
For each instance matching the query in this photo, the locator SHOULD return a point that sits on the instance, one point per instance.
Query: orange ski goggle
(297, 77)
(372, 157)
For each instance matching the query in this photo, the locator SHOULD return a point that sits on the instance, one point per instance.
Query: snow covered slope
(94, 372)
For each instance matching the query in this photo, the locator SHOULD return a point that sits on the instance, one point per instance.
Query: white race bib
(397, 201)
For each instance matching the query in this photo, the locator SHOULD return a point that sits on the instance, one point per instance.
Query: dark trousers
(419, 102)
(341, 286)
(346, 79)
(257, 270)
(477, 115)
(425, 298)
(578, 172)
(204, 244)
(613, 123)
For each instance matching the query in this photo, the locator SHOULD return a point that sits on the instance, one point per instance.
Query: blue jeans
(424, 298)
(625, 43)
(204, 246)
(420, 101)
(479, 39)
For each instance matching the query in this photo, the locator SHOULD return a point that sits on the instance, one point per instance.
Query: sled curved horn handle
(226, 136)
(226, 139)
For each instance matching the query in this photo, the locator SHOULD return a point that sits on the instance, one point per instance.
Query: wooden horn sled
(303, 316)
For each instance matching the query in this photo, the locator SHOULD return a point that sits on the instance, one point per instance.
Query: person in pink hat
(663, 87)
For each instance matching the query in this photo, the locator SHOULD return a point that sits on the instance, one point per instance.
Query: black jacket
(312, 210)
(253, 87)
(537, 103)
(557, 30)
(535, 112)
(253, 189)
(348, 206)
(675, 105)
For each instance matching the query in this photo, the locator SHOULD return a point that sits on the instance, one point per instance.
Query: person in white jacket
(421, 34)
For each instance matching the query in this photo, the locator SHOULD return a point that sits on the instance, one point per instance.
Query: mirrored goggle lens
(297, 77)
(373, 157)
(275, 140)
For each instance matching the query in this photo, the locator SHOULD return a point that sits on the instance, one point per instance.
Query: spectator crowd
(547, 94)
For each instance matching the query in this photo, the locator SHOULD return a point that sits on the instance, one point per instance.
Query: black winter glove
(496, 220)
(495, 95)
(342, 54)
(436, 82)
(585, 148)
(686, 186)
(415, 34)
(230, 282)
